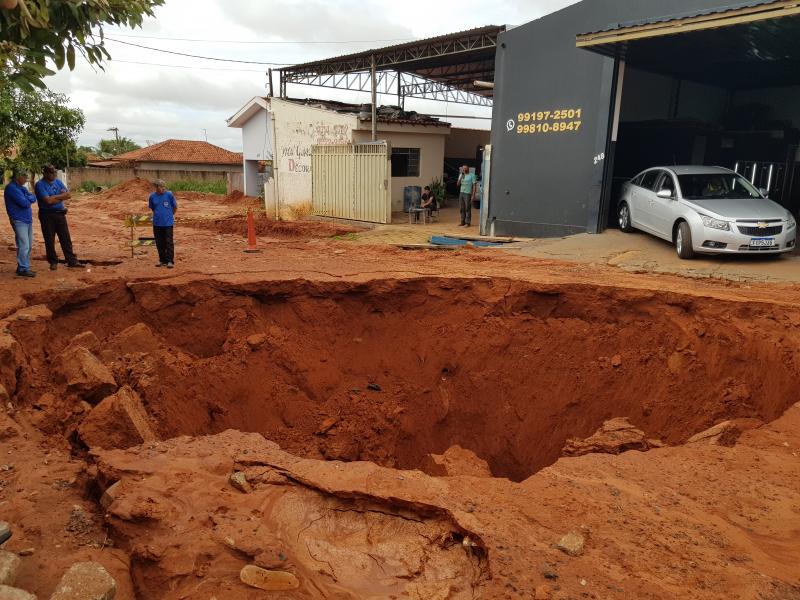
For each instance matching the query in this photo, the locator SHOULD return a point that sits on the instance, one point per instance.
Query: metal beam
(392, 82)
(432, 90)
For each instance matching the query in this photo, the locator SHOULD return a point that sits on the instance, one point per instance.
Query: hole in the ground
(506, 369)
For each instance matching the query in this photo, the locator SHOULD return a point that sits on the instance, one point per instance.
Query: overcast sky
(152, 96)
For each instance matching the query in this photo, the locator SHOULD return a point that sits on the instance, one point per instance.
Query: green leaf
(59, 57)
(71, 57)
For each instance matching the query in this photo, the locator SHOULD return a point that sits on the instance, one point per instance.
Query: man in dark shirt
(164, 207)
(51, 194)
(18, 206)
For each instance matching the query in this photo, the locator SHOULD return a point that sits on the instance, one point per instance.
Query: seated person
(428, 200)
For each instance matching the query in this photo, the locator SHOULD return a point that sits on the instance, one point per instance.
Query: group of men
(50, 195)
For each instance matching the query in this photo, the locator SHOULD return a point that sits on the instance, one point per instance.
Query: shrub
(439, 191)
(209, 187)
(88, 186)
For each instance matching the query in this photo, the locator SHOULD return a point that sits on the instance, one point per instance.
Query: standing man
(164, 207)
(18, 206)
(467, 182)
(51, 194)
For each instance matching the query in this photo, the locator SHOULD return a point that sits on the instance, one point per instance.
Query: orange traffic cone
(251, 233)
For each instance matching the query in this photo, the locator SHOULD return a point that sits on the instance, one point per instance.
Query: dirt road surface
(384, 423)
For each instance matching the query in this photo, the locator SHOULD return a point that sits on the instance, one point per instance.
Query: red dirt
(382, 356)
(237, 224)
(133, 187)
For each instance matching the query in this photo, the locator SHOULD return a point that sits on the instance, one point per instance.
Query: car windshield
(716, 186)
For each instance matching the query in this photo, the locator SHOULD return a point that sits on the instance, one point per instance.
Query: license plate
(762, 242)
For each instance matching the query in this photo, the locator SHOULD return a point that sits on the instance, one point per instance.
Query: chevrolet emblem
(763, 225)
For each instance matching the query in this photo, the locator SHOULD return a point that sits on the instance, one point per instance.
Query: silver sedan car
(705, 210)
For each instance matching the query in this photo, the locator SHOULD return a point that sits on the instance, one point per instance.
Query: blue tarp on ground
(440, 240)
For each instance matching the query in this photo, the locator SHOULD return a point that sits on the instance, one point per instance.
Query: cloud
(151, 102)
(317, 21)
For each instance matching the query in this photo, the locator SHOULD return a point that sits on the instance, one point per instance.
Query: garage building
(587, 97)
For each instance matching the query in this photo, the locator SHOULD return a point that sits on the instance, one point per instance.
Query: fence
(352, 181)
(113, 176)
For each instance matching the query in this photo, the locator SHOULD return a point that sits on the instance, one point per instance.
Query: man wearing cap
(164, 207)
(51, 194)
(18, 206)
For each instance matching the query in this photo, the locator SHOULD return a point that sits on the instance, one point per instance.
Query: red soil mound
(237, 224)
(131, 188)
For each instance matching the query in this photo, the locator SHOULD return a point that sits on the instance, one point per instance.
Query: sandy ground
(327, 372)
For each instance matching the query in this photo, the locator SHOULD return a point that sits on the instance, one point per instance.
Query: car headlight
(713, 223)
(791, 224)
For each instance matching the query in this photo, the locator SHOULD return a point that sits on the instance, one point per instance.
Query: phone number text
(551, 115)
(559, 127)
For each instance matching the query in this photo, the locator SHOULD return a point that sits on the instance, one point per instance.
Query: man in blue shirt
(18, 206)
(51, 194)
(164, 207)
(467, 182)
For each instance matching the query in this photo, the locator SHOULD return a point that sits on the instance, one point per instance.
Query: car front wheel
(683, 241)
(624, 215)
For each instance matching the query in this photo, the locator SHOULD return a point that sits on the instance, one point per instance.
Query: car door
(663, 209)
(644, 199)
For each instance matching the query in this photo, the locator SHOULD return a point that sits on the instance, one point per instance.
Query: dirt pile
(235, 196)
(133, 188)
(237, 225)
(614, 437)
(646, 525)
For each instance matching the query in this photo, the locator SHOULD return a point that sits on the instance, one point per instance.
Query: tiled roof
(183, 151)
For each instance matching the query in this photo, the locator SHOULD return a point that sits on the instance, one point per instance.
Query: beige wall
(431, 145)
(188, 167)
(462, 143)
(109, 177)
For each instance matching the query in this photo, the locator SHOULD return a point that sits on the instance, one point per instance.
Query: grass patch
(347, 237)
(89, 186)
(209, 187)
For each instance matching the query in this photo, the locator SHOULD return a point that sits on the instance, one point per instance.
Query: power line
(247, 62)
(285, 42)
(133, 62)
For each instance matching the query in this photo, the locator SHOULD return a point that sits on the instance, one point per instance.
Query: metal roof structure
(605, 40)
(745, 45)
(440, 68)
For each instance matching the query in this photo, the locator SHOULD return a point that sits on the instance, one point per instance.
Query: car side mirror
(764, 192)
(666, 194)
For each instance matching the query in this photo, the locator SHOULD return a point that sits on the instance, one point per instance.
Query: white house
(278, 134)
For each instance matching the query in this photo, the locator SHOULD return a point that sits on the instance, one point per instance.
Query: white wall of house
(429, 140)
(297, 129)
(286, 137)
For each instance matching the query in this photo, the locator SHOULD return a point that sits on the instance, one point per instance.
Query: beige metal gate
(352, 181)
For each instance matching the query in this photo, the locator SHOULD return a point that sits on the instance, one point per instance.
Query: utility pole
(374, 86)
(116, 134)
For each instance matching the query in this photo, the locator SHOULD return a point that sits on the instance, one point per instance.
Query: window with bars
(405, 162)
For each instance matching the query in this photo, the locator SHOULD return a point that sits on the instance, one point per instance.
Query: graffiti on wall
(296, 152)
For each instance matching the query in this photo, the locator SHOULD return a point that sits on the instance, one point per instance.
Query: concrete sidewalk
(639, 252)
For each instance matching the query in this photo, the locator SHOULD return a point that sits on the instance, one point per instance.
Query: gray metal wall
(550, 184)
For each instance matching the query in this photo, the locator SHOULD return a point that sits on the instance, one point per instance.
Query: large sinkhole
(392, 370)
